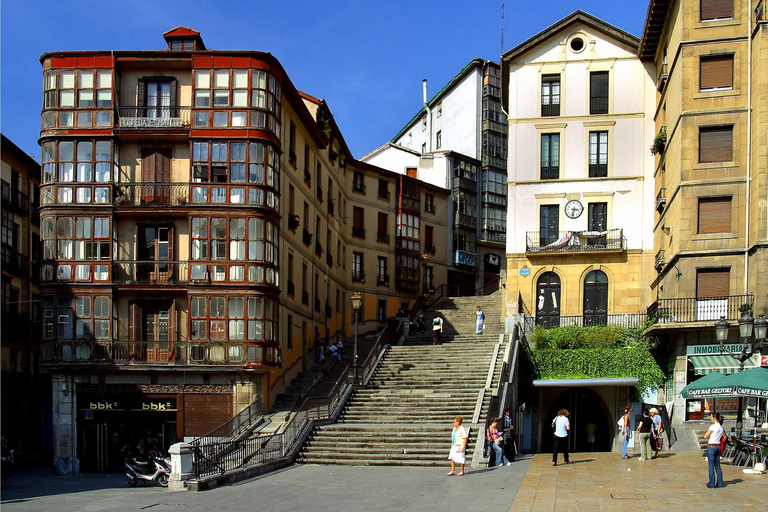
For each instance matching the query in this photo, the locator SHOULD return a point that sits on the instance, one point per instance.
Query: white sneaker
(508, 464)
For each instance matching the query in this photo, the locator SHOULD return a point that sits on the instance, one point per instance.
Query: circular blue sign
(525, 272)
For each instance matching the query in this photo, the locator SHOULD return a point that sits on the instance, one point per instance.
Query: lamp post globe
(746, 323)
(721, 331)
(761, 328)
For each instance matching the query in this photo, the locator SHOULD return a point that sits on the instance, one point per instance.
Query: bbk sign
(708, 350)
(103, 406)
(158, 406)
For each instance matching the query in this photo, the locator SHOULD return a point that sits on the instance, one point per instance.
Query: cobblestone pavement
(605, 482)
(306, 488)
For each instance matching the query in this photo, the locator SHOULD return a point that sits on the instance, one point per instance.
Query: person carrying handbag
(497, 443)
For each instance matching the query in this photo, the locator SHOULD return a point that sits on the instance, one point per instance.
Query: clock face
(573, 209)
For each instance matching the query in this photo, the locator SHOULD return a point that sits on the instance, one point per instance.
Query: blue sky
(365, 58)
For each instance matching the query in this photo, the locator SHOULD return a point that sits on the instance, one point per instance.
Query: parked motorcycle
(154, 469)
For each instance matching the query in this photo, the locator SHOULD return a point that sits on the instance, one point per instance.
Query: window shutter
(174, 85)
(141, 95)
(716, 9)
(716, 72)
(715, 144)
(172, 322)
(203, 413)
(715, 215)
(713, 283)
(134, 322)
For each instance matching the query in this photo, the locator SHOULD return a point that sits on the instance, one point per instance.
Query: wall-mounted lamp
(65, 388)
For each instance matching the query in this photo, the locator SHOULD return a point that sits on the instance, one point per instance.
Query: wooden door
(548, 300)
(595, 298)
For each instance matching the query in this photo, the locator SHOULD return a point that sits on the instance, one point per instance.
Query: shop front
(113, 425)
(702, 360)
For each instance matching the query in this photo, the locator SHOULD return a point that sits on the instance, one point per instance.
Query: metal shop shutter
(713, 282)
(715, 144)
(716, 72)
(206, 412)
(714, 215)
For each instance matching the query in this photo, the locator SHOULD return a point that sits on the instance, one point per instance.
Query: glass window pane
(104, 79)
(86, 79)
(66, 98)
(203, 98)
(202, 80)
(240, 98)
(221, 79)
(67, 79)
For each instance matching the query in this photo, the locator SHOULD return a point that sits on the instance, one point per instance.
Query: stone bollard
(181, 466)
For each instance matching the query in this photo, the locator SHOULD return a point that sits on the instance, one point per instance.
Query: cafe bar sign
(709, 350)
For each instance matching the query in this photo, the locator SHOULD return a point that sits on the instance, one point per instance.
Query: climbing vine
(595, 352)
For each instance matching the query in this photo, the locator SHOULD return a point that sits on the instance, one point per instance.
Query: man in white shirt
(562, 425)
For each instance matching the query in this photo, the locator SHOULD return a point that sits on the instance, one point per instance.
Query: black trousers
(560, 446)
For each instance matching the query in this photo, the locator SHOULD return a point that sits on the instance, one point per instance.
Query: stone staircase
(405, 415)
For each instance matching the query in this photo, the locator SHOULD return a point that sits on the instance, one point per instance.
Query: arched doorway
(585, 406)
(548, 300)
(595, 298)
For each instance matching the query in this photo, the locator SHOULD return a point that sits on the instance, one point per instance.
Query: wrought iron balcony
(383, 194)
(358, 187)
(546, 242)
(382, 280)
(465, 220)
(550, 110)
(358, 277)
(661, 199)
(150, 272)
(430, 249)
(661, 261)
(429, 207)
(153, 117)
(698, 309)
(293, 222)
(160, 353)
(598, 170)
(358, 233)
(598, 105)
(152, 194)
(383, 238)
(591, 320)
(551, 172)
(661, 80)
(307, 238)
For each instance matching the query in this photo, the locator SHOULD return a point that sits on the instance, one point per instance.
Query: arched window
(595, 298)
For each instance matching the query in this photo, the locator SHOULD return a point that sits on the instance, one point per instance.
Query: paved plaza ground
(592, 482)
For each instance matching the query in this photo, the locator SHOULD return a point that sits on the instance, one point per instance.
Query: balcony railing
(551, 172)
(358, 277)
(700, 309)
(661, 199)
(598, 105)
(293, 222)
(591, 320)
(550, 110)
(575, 241)
(661, 80)
(358, 187)
(660, 260)
(465, 220)
(598, 170)
(150, 272)
(307, 238)
(153, 117)
(152, 194)
(430, 249)
(383, 238)
(358, 233)
(160, 353)
(382, 280)
(384, 195)
(429, 208)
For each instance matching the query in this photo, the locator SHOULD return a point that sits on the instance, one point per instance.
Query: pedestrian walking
(458, 453)
(656, 439)
(591, 428)
(644, 428)
(625, 427)
(561, 425)
(6, 460)
(714, 450)
(497, 443)
(479, 321)
(437, 329)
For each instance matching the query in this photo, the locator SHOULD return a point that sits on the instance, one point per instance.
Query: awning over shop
(722, 363)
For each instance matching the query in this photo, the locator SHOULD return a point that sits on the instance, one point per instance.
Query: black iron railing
(661, 260)
(236, 426)
(598, 105)
(661, 79)
(575, 241)
(699, 309)
(358, 187)
(150, 194)
(150, 272)
(382, 237)
(550, 110)
(307, 238)
(358, 277)
(160, 353)
(384, 194)
(551, 172)
(293, 221)
(592, 320)
(358, 233)
(153, 117)
(598, 170)
(429, 208)
(661, 199)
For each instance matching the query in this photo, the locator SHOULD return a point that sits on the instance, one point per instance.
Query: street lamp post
(747, 326)
(357, 301)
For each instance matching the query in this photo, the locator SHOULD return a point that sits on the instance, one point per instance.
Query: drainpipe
(749, 153)
(429, 115)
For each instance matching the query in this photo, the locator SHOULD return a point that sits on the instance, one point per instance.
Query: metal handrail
(698, 309)
(235, 426)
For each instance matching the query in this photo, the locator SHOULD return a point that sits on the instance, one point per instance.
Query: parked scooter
(154, 469)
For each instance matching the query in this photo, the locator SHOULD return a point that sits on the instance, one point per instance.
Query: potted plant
(659, 142)
(746, 309)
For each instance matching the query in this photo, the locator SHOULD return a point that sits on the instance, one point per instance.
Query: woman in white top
(562, 425)
(713, 436)
(458, 451)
